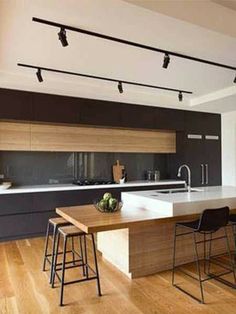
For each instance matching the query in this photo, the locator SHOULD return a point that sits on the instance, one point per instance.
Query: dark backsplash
(33, 168)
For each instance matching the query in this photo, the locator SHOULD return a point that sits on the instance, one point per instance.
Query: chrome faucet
(189, 176)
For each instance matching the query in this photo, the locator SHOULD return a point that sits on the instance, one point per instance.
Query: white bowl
(5, 186)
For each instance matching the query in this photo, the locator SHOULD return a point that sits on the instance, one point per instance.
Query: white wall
(229, 148)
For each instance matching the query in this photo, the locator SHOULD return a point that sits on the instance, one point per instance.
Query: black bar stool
(66, 233)
(232, 221)
(211, 220)
(53, 225)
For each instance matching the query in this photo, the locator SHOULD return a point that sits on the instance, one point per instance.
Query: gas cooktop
(93, 182)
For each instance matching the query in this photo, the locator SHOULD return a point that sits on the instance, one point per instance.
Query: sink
(177, 191)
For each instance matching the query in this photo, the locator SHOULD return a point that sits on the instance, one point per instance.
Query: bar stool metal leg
(63, 270)
(96, 266)
(53, 251)
(198, 267)
(46, 247)
(209, 255)
(174, 252)
(55, 259)
(85, 256)
(82, 254)
(73, 249)
(229, 254)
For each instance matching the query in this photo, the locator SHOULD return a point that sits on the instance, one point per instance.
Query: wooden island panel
(138, 242)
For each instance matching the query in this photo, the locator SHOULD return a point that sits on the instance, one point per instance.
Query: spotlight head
(180, 96)
(166, 61)
(39, 75)
(62, 37)
(235, 79)
(120, 87)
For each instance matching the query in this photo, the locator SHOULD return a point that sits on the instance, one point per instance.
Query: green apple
(107, 196)
(103, 205)
(112, 203)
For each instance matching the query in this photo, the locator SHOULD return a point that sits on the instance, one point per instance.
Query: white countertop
(177, 204)
(72, 187)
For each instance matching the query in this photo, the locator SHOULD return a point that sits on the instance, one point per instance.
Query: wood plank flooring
(24, 289)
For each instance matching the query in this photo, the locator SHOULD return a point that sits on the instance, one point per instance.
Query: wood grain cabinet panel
(14, 136)
(89, 139)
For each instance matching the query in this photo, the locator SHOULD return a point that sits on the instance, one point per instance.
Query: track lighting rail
(118, 81)
(134, 44)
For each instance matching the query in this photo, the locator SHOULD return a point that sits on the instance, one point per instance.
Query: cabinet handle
(202, 167)
(206, 165)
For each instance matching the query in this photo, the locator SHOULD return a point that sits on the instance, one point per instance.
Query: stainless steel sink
(172, 191)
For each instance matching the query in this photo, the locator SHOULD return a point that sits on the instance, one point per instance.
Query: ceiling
(22, 40)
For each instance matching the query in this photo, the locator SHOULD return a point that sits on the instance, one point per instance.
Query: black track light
(39, 75)
(235, 79)
(120, 87)
(108, 79)
(62, 37)
(180, 96)
(166, 61)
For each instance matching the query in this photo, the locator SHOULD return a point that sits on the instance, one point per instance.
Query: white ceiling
(22, 40)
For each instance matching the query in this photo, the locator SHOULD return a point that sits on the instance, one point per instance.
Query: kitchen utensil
(117, 171)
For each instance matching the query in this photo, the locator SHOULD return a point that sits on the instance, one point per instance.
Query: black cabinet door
(169, 119)
(202, 123)
(195, 158)
(140, 117)
(212, 162)
(56, 109)
(211, 124)
(15, 105)
(96, 112)
(194, 122)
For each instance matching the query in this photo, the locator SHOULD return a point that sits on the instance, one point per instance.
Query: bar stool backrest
(212, 220)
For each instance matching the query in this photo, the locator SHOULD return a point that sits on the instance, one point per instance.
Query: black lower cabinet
(24, 225)
(26, 215)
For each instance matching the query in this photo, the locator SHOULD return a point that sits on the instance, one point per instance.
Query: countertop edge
(38, 189)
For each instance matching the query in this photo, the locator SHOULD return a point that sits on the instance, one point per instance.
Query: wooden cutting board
(117, 171)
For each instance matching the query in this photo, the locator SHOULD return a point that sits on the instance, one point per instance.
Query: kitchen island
(138, 240)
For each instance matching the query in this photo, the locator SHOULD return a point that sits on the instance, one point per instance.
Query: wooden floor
(24, 289)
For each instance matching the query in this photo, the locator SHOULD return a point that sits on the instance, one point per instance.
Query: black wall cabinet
(55, 109)
(15, 105)
(102, 113)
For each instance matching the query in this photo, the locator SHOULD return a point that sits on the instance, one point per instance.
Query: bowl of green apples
(108, 204)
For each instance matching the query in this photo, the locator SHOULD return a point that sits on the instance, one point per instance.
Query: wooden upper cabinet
(15, 105)
(14, 136)
(90, 139)
(55, 109)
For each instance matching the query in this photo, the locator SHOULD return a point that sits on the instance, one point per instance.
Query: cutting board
(117, 171)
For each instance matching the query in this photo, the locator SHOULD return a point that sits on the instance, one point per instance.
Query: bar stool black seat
(232, 218)
(211, 220)
(88, 273)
